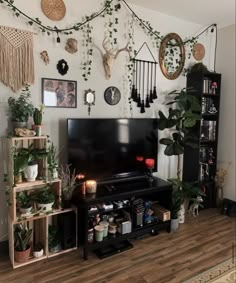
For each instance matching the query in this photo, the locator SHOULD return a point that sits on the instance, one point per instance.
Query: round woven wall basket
(198, 51)
(55, 10)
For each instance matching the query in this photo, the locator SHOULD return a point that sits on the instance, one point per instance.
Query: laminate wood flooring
(197, 245)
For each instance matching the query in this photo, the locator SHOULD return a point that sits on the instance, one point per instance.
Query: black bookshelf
(200, 163)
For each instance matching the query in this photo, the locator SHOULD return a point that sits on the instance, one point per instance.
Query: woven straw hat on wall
(55, 10)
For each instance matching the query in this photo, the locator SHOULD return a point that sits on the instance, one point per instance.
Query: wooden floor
(199, 244)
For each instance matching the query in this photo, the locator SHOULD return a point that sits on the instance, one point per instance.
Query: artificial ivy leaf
(169, 151)
(166, 141)
(178, 149)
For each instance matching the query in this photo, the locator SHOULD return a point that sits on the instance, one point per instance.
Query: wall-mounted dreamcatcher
(144, 78)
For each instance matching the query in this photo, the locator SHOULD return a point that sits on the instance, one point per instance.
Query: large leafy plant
(21, 108)
(183, 116)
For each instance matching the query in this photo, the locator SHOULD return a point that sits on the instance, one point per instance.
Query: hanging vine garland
(108, 9)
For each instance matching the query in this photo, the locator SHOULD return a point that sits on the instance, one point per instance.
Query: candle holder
(91, 186)
(150, 165)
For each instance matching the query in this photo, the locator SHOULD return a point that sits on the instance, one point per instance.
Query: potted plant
(38, 250)
(22, 237)
(52, 160)
(24, 200)
(21, 108)
(45, 199)
(182, 117)
(68, 183)
(175, 207)
(54, 240)
(38, 117)
(26, 160)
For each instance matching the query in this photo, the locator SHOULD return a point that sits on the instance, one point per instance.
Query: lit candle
(149, 163)
(91, 186)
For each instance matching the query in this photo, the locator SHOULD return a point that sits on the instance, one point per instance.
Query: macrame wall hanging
(144, 79)
(16, 57)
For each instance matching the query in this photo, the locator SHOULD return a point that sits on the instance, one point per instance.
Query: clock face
(112, 95)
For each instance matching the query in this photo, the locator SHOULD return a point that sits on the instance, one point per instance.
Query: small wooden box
(162, 213)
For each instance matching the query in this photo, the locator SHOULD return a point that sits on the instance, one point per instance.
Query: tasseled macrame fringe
(16, 61)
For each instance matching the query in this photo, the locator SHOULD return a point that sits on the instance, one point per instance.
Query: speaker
(67, 226)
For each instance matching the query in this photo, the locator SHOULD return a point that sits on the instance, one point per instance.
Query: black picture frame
(57, 93)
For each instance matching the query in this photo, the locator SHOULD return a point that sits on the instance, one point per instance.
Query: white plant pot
(54, 173)
(45, 206)
(174, 224)
(26, 211)
(38, 253)
(181, 214)
(31, 172)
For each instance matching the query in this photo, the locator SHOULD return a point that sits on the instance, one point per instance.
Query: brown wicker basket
(55, 10)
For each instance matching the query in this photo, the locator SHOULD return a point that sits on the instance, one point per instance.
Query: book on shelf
(208, 130)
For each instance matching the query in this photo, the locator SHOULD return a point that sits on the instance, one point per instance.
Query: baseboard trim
(4, 249)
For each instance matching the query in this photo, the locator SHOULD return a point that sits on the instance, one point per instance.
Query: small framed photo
(59, 93)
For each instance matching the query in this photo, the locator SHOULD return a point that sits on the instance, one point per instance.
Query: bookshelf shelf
(200, 163)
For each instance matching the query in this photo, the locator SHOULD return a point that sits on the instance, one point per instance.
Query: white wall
(54, 119)
(226, 65)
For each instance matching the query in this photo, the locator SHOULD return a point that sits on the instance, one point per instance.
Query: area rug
(224, 272)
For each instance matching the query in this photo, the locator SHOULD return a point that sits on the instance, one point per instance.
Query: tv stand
(134, 191)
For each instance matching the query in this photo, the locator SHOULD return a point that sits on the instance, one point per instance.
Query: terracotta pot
(22, 256)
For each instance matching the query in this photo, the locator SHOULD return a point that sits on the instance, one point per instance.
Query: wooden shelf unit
(40, 233)
(38, 221)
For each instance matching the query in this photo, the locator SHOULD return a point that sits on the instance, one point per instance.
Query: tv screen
(104, 149)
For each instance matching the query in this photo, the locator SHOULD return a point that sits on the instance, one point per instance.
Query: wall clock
(112, 95)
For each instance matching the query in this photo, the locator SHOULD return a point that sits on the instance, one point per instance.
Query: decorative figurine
(210, 157)
(212, 109)
(214, 87)
(150, 165)
(71, 45)
(45, 57)
(193, 209)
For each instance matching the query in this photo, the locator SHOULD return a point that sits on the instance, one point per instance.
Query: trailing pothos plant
(183, 115)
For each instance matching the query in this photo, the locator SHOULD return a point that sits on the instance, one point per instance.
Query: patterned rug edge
(226, 269)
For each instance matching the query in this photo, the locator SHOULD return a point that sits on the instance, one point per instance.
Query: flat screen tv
(108, 149)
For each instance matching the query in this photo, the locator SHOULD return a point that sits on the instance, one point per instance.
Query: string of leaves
(87, 44)
(48, 29)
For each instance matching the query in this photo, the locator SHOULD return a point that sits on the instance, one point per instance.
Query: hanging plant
(87, 44)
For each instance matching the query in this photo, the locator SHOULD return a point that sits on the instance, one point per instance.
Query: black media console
(129, 194)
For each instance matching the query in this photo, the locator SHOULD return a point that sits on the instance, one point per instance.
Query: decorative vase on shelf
(181, 214)
(174, 224)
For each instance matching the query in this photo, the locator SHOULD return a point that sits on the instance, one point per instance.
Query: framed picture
(59, 93)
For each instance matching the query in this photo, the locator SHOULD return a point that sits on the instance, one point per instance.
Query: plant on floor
(182, 117)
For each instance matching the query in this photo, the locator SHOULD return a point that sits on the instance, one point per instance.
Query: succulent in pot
(53, 155)
(38, 250)
(38, 117)
(24, 200)
(22, 238)
(21, 108)
(45, 199)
